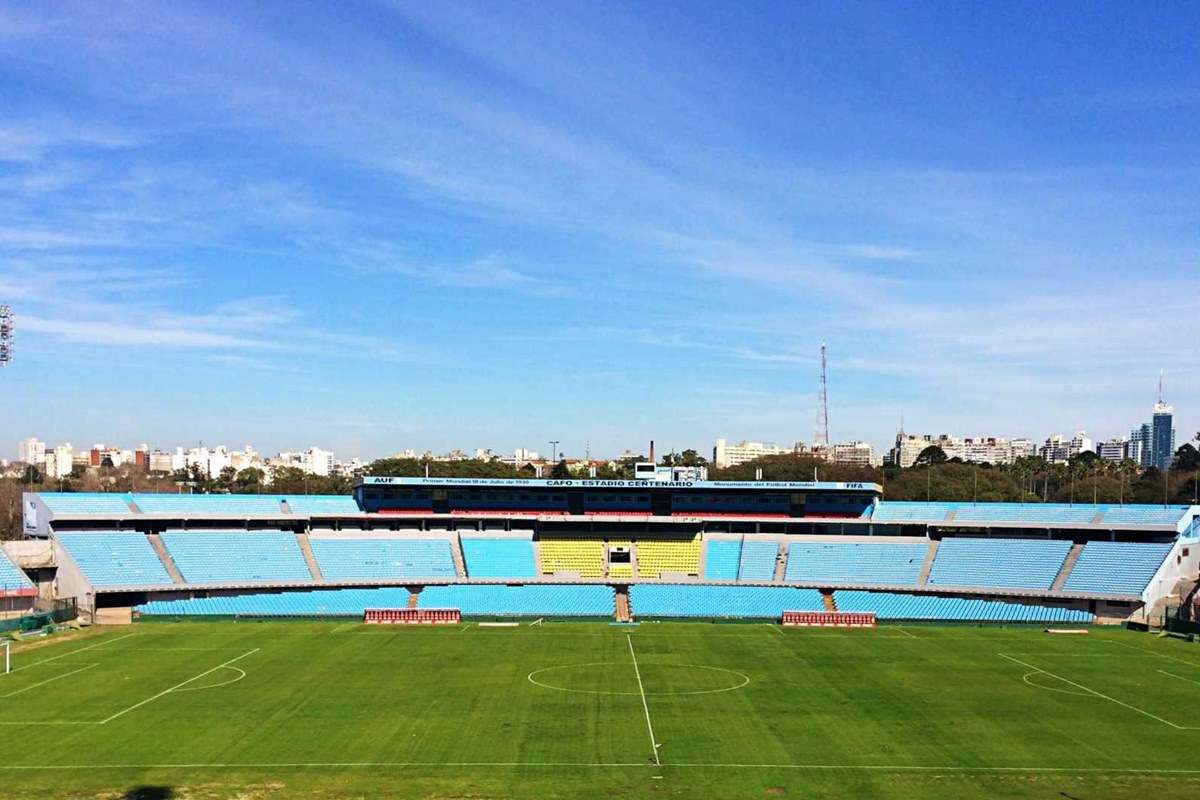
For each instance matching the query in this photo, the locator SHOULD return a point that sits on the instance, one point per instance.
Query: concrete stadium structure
(118, 554)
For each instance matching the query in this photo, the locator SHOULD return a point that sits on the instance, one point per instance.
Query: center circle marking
(544, 678)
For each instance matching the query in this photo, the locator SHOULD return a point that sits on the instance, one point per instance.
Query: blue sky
(384, 225)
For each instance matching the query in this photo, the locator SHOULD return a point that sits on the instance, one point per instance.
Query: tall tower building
(1162, 432)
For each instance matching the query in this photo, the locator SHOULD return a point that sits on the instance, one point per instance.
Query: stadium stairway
(622, 605)
(309, 558)
(165, 558)
(1067, 566)
(456, 554)
(923, 577)
(781, 559)
(413, 598)
(828, 599)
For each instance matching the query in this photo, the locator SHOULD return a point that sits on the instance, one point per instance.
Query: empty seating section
(896, 564)
(322, 504)
(904, 511)
(721, 559)
(208, 504)
(758, 560)
(674, 556)
(11, 576)
(698, 600)
(1115, 567)
(365, 559)
(1033, 513)
(620, 570)
(116, 559)
(219, 557)
(1015, 563)
(521, 601)
(86, 502)
(1143, 515)
(951, 609)
(572, 554)
(498, 558)
(314, 603)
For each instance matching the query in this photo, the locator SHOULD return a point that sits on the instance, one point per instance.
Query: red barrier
(829, 619)
(411, 616)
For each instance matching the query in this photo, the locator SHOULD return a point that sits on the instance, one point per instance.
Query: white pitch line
(645, 707)
(1180, 677)
(608, 765)
(48, 680)
(1089, 690)
(906, 633)
(176, 686)
(73, 652)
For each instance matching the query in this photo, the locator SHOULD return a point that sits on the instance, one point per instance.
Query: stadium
(460, 637)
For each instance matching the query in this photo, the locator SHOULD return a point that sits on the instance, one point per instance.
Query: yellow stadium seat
(656, 556)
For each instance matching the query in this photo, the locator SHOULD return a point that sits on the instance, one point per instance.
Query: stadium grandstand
(599, 548)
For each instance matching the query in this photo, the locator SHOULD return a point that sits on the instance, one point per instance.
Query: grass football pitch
(339, 709)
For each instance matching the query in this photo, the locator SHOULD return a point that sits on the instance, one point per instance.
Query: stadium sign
(619, 483)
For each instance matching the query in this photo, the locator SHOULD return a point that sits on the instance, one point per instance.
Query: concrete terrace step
(923, 575)
(1068, 565)
(169, 563)
(309, 557)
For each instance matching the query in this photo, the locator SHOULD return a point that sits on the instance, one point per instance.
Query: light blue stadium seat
(86, 502)
(905, 511)
(243, 557)
(721, 559)
(1143, 515)
(1115, 567)
(521, 601)
(366, 559)
(187, 504)
(496, 557)
(1032, 513)
(322, 504)
(710, 602)
(900, 607)
(115, 559)
(12, 577)
(758, 560)
(1010, 563)
(306, 603)
(893, 564)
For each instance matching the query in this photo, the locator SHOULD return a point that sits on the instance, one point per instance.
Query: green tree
(1187, 458)
(249, 480)
(931, 455)
(560, 470)
(688, 458)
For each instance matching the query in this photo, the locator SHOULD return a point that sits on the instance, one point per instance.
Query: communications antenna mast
(6, 335)
(821, 435)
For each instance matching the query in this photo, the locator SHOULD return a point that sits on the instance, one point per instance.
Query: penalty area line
(135, 706)
(48, 680)
(73, 652)
(1101, 695)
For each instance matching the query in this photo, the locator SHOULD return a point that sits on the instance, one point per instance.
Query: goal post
(7, 656)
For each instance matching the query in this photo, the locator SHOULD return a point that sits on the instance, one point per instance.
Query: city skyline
(392, 225)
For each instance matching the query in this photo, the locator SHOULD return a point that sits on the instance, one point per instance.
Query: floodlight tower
(821, 434)
(6, 335)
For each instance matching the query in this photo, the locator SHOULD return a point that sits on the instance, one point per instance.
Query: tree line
(1086, 478)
